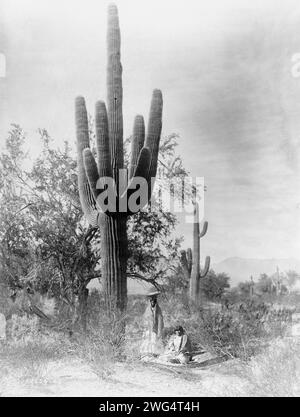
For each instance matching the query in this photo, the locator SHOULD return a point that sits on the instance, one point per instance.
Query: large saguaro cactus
(110, 164)
(190, 260)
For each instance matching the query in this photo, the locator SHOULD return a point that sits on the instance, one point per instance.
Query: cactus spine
(110, 160)
(190, 260)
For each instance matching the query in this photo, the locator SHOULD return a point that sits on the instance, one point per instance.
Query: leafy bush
(214, 285)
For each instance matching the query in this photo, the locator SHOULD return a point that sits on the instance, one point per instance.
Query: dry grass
(32, 349)
(276, 371)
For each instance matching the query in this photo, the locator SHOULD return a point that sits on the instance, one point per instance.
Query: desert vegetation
(58, 237)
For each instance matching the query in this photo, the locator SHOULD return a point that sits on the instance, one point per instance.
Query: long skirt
(151, 345)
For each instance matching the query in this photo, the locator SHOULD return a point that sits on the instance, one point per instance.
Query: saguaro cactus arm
(154, 131)
(189, 255)
(102, 138)
(87, 199)
(109, 128)
(143, 161)
(204, 229)
(205, 270)
(146, 165)
(138, 139)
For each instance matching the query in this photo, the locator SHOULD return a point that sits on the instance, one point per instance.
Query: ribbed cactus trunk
(114, 260)
(110, 164)
(195, 273)
(113, 228)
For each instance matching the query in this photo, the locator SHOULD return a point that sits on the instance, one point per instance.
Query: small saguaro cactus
(92, 176)
(190, 260)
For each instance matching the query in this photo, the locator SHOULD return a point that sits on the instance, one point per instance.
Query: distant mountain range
(241, 269)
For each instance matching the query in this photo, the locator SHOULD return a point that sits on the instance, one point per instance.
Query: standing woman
(153, 324)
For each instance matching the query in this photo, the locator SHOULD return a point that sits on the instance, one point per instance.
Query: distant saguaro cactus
(110, 164)
(190, 260)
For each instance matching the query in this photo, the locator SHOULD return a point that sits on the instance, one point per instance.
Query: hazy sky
(225, 69)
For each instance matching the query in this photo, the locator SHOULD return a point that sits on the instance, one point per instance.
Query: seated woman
(179, 347)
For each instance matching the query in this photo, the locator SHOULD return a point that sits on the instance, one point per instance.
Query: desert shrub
(4, 299)
(213, 285)
(240, 331)
(62, 320)
(105, 340)
(109, 326)
(95, 306)
(231, 334)
(134, 327)
(31, 347)
(103, 343)
(30, 330)
(48, 306)
(243, 331)
(31, 360)
(23, 329)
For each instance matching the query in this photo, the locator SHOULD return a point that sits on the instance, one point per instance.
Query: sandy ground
(210, 376)
(139, 379)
